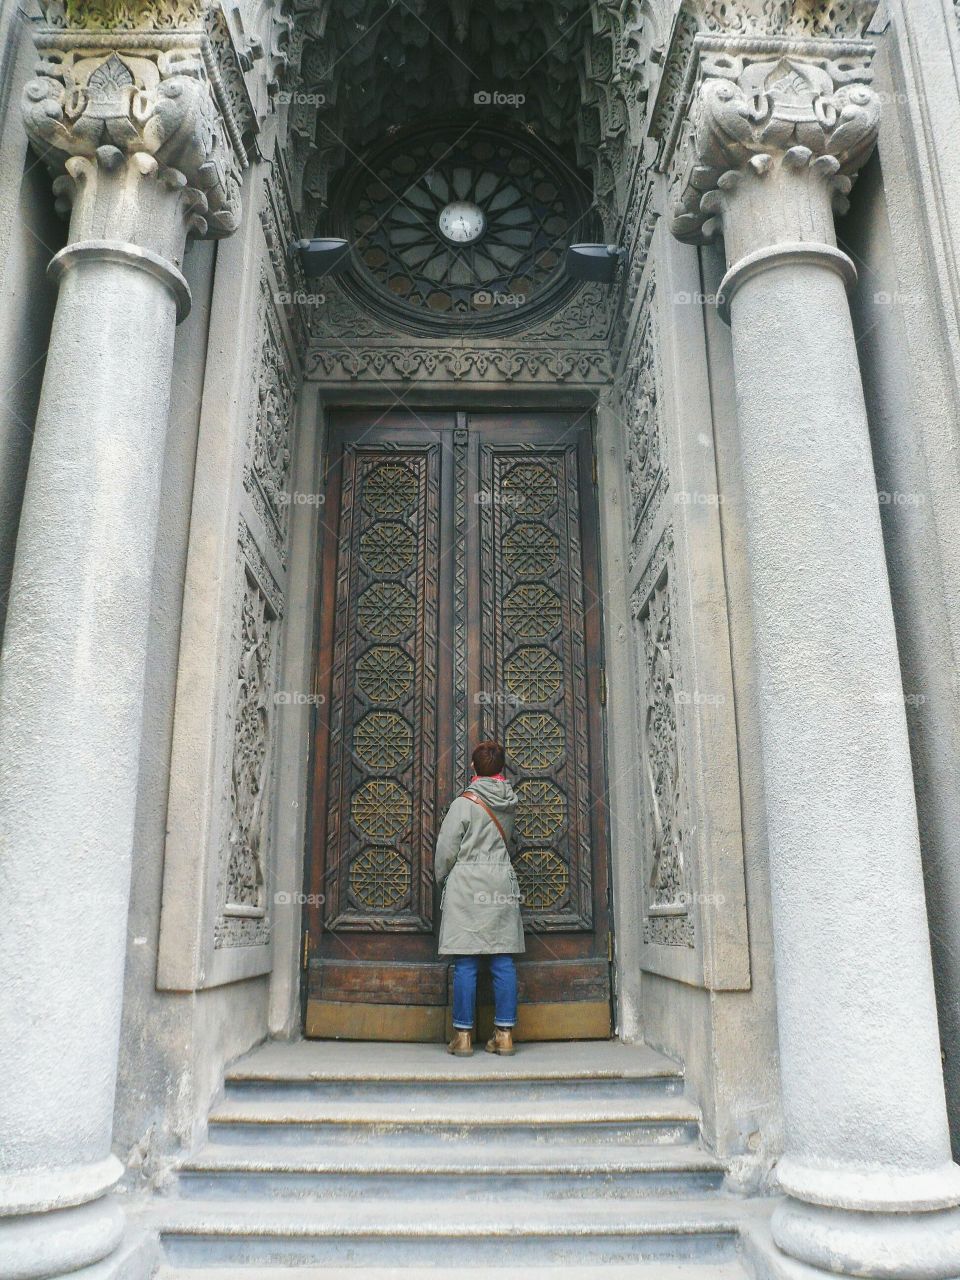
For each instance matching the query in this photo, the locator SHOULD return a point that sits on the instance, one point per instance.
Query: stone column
(131, 126)
(776, 132)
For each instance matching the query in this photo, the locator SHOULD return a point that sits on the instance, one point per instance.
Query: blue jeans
(504, 974)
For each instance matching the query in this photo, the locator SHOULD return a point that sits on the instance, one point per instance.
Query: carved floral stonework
(459, 364)
(153, 99)
(621, 62)
(758, 106)
(809, 19)
(646, 467)
(667, 920)
(280, 229)
(125, 15)
(267, 470)
(244, 907)
(349, 343)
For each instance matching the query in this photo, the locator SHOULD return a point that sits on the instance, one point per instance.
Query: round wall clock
(462, 222)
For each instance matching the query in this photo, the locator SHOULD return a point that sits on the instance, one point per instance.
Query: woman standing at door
(480, 908)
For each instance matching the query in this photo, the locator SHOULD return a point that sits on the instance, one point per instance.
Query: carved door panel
(458, 600)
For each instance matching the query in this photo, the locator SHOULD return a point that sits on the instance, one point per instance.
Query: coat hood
(500, 796)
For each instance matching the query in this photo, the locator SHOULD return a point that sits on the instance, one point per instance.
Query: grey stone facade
(775, 383)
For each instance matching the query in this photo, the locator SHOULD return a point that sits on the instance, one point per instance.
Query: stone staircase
(401, 1161)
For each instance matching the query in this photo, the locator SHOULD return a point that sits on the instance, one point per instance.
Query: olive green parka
(480, 907)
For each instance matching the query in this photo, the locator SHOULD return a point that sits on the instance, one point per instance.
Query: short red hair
(488, 759)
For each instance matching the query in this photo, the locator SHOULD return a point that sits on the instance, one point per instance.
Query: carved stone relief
(802, 106)
(244, 907)
(668, 920)
(267, 468)
(646, 465)
(348, 343)
(840, 19)
(154, 99)
(125, 15)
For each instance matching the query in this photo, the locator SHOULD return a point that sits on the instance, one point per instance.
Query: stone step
(448, 1233)
(538, 1073)
(281, 1060)
(445, 1170)
(550, 1092)
(412, 1120)
(705, 1269)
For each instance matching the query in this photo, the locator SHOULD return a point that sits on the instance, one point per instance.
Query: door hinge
(306, 950)
(603, 686)
(609, 948)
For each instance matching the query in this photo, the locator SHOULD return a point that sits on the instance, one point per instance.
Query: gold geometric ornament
(543, 878)
(381, 809)
(530, 548)
(385, 673)
(541, 809)
(529, 488)
(388, 546)
(389, 489)
(379, 879)
(386, 610)
(531, 611)
(535, 741)
(533, 673)
(382, 740)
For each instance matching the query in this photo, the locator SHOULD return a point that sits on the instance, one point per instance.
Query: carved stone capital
(124, 15)
(812, 19)
(792, 115)
(123, 94)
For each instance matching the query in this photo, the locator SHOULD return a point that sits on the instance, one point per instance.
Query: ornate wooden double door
(459, 601)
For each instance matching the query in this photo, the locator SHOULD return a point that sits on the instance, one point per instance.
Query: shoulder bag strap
(471, 795)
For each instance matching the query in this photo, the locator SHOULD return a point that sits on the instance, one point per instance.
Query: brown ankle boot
(502, 1041)
(461, 1044)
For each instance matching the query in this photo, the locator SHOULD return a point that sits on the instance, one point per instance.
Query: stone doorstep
(337, 1218)
(654, 1270)
(342, 1060)
(518, 1112)
(579, 1159)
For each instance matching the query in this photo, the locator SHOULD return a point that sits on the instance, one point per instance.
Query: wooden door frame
(340, 417)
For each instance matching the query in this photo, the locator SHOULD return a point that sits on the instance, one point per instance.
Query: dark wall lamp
(593, 262)
(323, 257)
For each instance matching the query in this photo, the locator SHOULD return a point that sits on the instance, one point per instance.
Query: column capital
(779, 111)
(133, 88)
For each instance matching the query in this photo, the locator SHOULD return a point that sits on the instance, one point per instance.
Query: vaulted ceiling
(577, 73)
(369, 67)
(381, 63)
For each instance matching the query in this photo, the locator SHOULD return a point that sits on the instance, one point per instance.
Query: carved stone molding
(760, 108)
(131, 94)
(243, 918)
(668, 920)
(124, 15)
(267, 468)
(280, 229)
(477, 364)
(838, 19)
(350, 343)
(258, 57)
(644, 453)
(621, 68)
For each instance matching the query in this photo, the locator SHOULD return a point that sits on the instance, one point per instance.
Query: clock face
(461, 222)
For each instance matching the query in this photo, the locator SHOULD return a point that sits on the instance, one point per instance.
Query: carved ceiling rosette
(133, 91)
